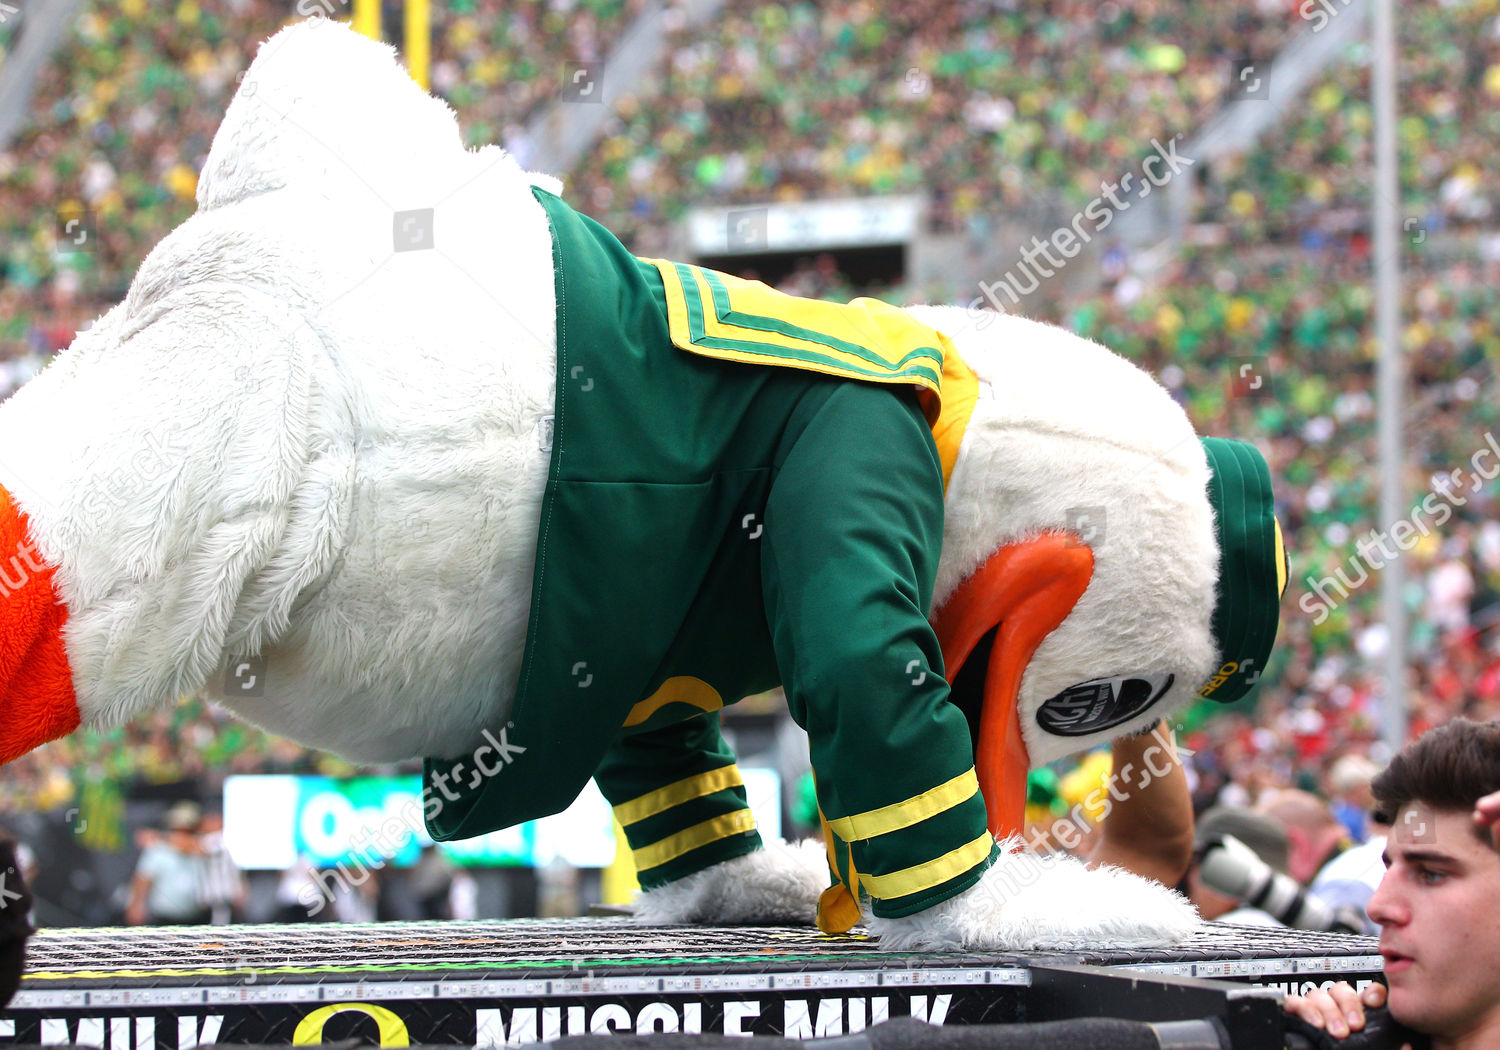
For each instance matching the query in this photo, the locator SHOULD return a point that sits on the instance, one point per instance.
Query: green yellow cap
(1252, 567)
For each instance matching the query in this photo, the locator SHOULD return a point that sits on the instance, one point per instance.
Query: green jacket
(655, 602)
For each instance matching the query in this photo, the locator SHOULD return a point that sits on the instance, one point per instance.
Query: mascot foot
(1029, 900)
(776, 885)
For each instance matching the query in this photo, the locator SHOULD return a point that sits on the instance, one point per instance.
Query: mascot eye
(1101, 703)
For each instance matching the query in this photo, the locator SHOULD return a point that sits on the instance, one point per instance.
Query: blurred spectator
(557, 890)
(300, 894)
(1349, 794)
(168, 876)
(222, 890)
(24, 858)
(1349, 880)
(1313, 835)
(354, 900)
(1254, 831)
(431, 882)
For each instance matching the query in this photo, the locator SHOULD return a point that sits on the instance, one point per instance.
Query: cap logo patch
(1101, 703)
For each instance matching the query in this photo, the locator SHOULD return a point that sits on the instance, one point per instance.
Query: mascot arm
(853, 529)
(1148, 828)
(680, 798)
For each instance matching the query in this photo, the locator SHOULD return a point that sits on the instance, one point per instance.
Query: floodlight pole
(1392, 377)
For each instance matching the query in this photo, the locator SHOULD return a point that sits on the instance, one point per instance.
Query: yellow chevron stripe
(921, 877)
(887, 332)
(854, 323)
(675, 794)
(898, 815)
(689, 839)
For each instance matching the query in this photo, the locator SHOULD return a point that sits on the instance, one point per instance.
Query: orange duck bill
(1022, 593)
(37, 702)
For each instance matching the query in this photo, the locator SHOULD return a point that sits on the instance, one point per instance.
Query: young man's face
(1438, 907)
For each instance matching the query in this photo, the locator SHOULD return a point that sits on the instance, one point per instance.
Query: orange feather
(37, 703)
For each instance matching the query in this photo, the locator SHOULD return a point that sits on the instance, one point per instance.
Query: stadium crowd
(1268, 336)
(979, 105)
(497, 63)
(123, 117)
(1307, 181)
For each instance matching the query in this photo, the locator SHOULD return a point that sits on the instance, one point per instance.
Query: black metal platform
(509, 983)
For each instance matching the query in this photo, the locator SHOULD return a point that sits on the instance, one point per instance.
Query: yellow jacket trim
(814, 314)
(960, 393)
(689, 839)
(675, 794)
(898, 815)
(921, 877)
(897, 349)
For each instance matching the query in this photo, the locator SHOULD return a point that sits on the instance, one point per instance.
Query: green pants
(848, 555)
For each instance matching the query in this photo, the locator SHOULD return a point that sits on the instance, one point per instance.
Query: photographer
(1251, 839)
(1437, 904)
(1242, 873)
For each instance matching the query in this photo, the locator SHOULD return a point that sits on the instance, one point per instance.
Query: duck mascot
(467, 481)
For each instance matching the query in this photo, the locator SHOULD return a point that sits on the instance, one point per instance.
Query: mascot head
(1102, 565)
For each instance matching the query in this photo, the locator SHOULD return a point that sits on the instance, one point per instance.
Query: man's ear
(1302, 852)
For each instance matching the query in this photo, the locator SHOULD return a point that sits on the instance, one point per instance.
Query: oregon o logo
(392, 1029)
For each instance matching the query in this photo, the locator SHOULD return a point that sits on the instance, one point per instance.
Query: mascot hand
(1029, 900)
(774, 886)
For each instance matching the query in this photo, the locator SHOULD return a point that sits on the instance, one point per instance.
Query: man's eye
(1429, 877)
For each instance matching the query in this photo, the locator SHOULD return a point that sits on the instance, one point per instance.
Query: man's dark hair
(1448, 768)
